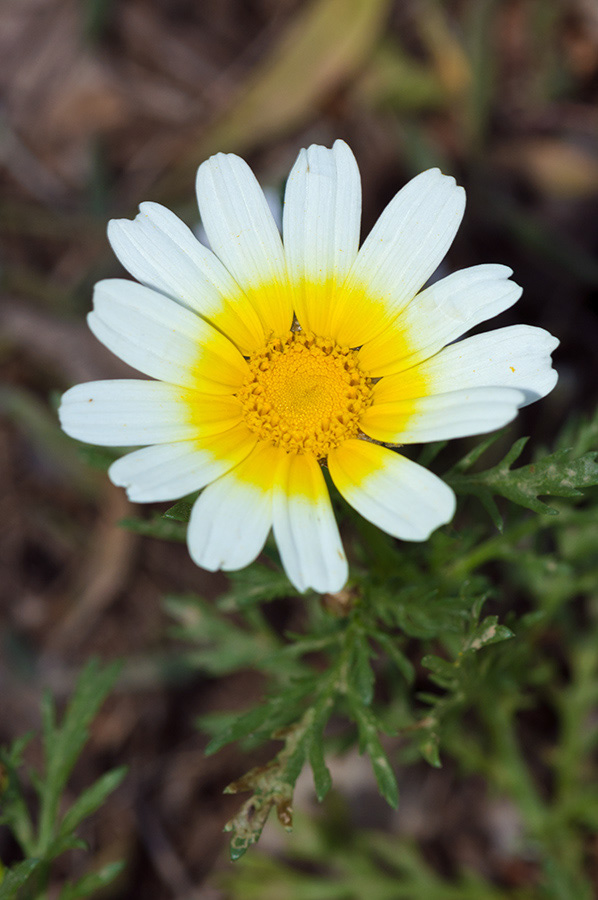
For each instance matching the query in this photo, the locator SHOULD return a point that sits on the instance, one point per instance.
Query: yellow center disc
(305, 393)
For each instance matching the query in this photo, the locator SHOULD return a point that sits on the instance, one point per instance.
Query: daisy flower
(275, 356)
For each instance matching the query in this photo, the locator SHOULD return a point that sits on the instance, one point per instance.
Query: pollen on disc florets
(305, 393)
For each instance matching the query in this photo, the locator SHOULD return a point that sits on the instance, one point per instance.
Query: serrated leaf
(62, 744)
(428, 615)
(91, 799)
(16, 877)
(275, 713)
(92, 882)
(13, 756)
(213, 723)
(556, 475)
(369, 742)
(261, 717)
(223, 646)
(487, 632)
(273, 784)
(271, 791)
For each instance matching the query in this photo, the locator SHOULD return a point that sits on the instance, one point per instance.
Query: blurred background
(106, 103)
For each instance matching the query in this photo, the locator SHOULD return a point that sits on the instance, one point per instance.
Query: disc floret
(305, 393)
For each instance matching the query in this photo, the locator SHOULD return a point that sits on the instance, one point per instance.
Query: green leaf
(428, 614)
(471, 458)
(556, 475)
(270, 791)
(180, 512)
(315, 731)
(63, 744)
(429, 747)
(157, 527)
(15, 812)
(361, 674)
(321, 772)
(256, 584)
(91, 799)
(369, 742)
(487, 632)
(429, 452)
(443, 672)
(275, 713)
(15, 878)
(60, 845)
(223, 646)
(396, 655)
(92, 882)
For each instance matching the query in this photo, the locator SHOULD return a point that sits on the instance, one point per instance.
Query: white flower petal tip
(241, 230)
(305, 528)
(237, 219)
(443, 416)
(125, 413)
(321, 226)
(439, 315)
(532, 350)
(171, 471)
(161, 339)
(162, 253)
(404, 248)
(389, 490)
(518, 356)
(231, 519)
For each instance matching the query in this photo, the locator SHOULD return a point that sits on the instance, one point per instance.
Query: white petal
(404, 248)
(231, 519)
(170, 471)
(517, 356)
(321, 221)
(243, 234)
(162, 253)
(438, 316)
(305, 528)
(125, 413)
(394, 493)
(442, 416)
(470, 387)
(163, 340)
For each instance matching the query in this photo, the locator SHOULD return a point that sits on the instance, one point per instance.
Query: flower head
(274, 356)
